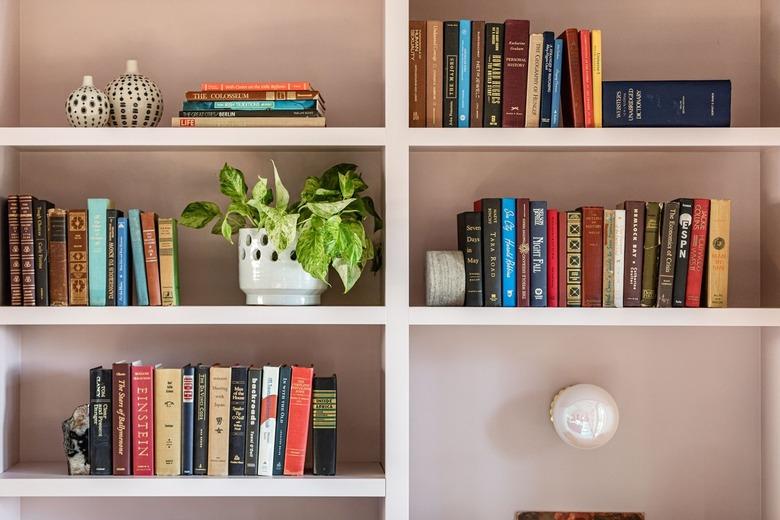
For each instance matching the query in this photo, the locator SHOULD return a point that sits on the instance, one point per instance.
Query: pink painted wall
(9, 62)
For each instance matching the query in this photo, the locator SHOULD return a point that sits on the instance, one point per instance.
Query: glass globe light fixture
(584, 416)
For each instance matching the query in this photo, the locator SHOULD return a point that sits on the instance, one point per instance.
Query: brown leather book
(516, 36)
(417, 64)
(477, 72)
(151, 257)
(592, 255)
(433, 72)
(572, 104)
(14, 250)
(58, 257)
(634, 252)
(78, 266)
(27, 243)
(120, 405)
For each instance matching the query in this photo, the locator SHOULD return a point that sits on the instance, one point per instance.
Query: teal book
(97, 211)
(305, 104)
(137, 257)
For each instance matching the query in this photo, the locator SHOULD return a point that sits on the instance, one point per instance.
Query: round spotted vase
(87, 106)
(136, 101)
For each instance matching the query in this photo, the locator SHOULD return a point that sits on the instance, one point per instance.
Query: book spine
(201, 434)
(515, 77)
(100, 421)
(634, 253)
(592, 255)
(573, 259)
(27, 242)
(598, 73)
(417, 62)
(121, 418)
(58, 257)
(477, 72)
(552, 258)
(151, 258)
(509, 252)
(491, 251)
(587, 78)
(268, 409)
(142, 408)
(78, 258)
(668, 253)
(254, 87)
(41, 237)
(253, 419)
(167, 421)
(14, 250)
(683, 252)
(652, 246)
(219, 417)
(718, 253)
(450, 83)
(298, 421)
(138, 257)
(698, 250)
(571, 99)
(98, 249)
(524, 253)
(282, 416)
(122, 263)
(237, 445)
(433, 71)
(538, 212)
(111, 245)
(555, 113)
(620, 251)
(667, 103)
(494, 70)
(251, 106)
(169, 260)
(238, 114)
(608, 270)
(287, 121)
(267, 95)
(187, 420)
(464, 74)
(563, 226)
(324, 425)
(470, 243)
(534, 81)
(548, 63)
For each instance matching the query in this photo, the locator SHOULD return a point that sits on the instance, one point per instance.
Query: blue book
(464, 75)
(555, 116)
(538, 216)
(509, 252)
(97, 251)
(122, 262)
(667, 103)
(548, 59)
(137, 257)
(305, 104)
(187, 419)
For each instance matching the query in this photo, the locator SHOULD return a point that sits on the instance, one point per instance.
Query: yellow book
(718, 253)
(219, 419)
(598, 72)
(167, 421)
(533, 102)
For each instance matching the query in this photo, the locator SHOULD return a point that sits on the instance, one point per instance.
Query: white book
(620, 249)
(265, 451)
(534, 86)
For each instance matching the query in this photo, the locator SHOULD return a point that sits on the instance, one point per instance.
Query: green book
(137, 257)
(652, 247)
(168, 238)
(97, 210)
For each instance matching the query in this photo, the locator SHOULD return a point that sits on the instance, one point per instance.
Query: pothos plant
(328, 219)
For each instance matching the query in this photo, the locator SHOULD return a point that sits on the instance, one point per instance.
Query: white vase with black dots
(87, 106)
(136, 101)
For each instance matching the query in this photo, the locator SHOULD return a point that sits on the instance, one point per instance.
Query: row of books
(473, 74)
(257, 104)
(210, 420)
(519, 253)
(84, 256)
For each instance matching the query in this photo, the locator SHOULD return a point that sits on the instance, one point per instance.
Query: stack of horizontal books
(252, 105)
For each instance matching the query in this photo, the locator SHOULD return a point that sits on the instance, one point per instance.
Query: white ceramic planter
(271, 277)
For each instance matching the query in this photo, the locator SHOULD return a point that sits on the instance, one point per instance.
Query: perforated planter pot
(271, 277)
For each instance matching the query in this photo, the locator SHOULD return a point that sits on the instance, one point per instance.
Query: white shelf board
(48, 479)
(191, 315)
(108, 139)
(601, 317)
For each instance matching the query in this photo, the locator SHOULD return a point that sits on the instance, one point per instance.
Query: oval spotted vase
(87, 106)
(136, 101)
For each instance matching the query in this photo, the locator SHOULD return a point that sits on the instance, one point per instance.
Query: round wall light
(584, 416)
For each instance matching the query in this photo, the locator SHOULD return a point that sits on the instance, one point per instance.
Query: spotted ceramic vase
(87, 106)
(135, 99)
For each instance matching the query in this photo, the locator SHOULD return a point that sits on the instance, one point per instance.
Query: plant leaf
(330, 177)
(346, 185)
(227, 231)
(330, 231)
(283, 232)
(198, 214)
(311, 250)
(235, 220)
(310, 187)
(231, 183)
(378, 222)
(260, 191)
(349, 274)
(282, 195)
(350, 242)
(328, 209)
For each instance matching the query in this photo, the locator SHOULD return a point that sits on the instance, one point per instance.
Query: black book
(237, 446)
(470, 242)
(254, 398)
(668, 254)
(41, 244)
(491, 251)
(187, 419)
(200, 453)
(323, 420)
(100, 447)
(494, 63)
(450, 79)
(111, 216)
(683, 251)
(282, 416)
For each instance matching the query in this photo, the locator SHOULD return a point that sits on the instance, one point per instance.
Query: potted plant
(285, 249)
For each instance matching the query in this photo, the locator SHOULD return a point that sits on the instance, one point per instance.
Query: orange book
(587, 78)
(255, 86)
(151, 257)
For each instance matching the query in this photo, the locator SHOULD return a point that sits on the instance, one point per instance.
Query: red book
(561, 245)
(142, 388)
(255, 86)
(571, 82)
(120, 409)
(298, 420)
(587, 78)
(592, 255)
(523, 254)
(516, 35)
(552, 258)
(696, 256)
(151, 257)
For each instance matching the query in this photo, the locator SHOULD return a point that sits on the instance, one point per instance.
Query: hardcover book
(97, 213)
(634, 252)
(683, 252)
(268, 409)
(282, 417)
(298, 420)
(548, 64)
(219, 420)
(573, 259)
(668, 253)
(698, 250)
(27, 243)
(237, 446)
(151, 259)
(524, 252)
(254, 385)
(598, 74)
(290, 120)
(608, 270)
(477, 72)
(100, 421)
(142, 408)
(417, 64)
(552, 258)
(563, 226)
(41, 236)
(592, 255)
(187, 419)
(78, 258)
(121, 417)
(470, 243)
(123, 297)
(255, 86)
(509, 252)
(201, 434)
(138, 257)
(491, 250)
(515, 76)
(112, 215)
(167, 421)
(587, 78)
(555, 114)
(250, 115)
(534, 81)
(718, 253)
(169, 260)
(620, 251)
(14, 250)
(433, 73)
(58, 257)
(538, 221)
(494, 70)
(652, 247)
(260, 106)
(259, 95)
(450, 80)
(578, 516)
(464, 74)
(324, 423)
(572, 111)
